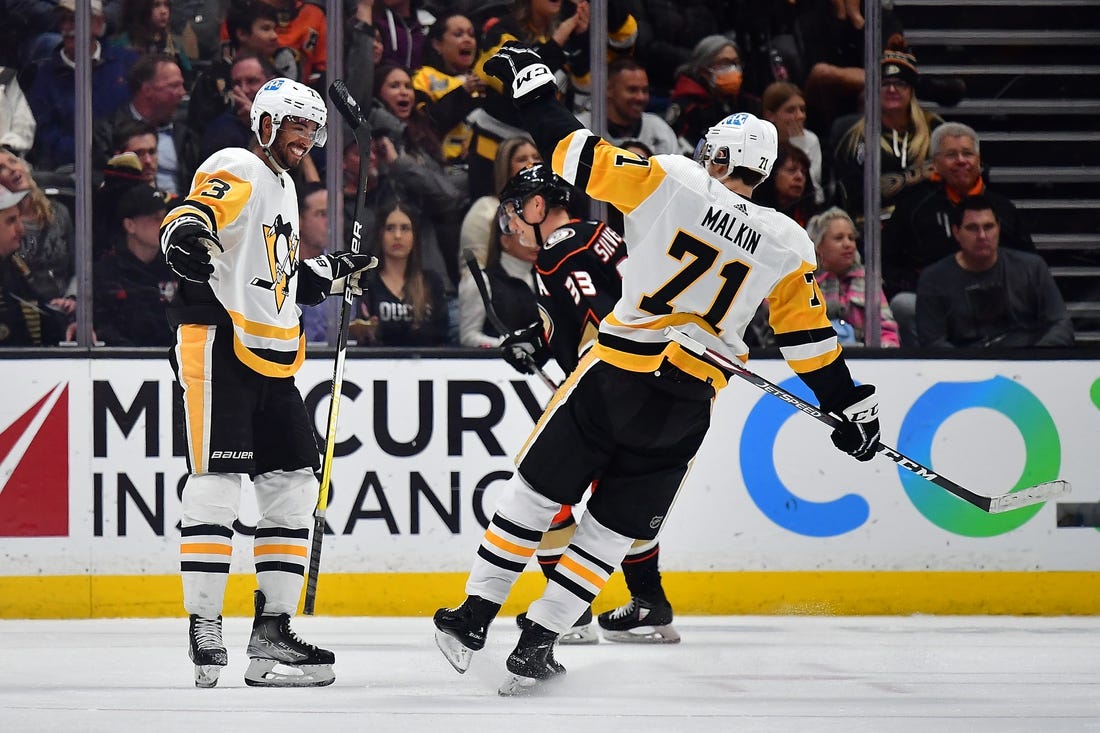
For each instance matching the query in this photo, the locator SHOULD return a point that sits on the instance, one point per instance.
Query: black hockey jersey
(579, 284)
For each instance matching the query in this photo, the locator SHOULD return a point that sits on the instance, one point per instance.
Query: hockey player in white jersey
(635, 410)
(239, 341)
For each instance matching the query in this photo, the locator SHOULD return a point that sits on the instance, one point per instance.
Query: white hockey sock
(286, 500)
(580, 575)
(515, 531)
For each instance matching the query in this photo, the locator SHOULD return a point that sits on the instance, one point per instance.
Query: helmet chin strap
(538, 226)
(271, 157)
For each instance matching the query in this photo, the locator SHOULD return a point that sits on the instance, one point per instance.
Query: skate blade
(644, 635)
(519, 686)
(206, 675)
(580, 635)
(272, 673)
(454, 651)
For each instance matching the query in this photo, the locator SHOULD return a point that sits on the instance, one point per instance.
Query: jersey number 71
(733, 274)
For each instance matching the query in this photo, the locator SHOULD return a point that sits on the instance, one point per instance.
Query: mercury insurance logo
(34, 469)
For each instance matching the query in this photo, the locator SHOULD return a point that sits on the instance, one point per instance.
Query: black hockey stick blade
(346, 105)
(991, 504)
(479, 280)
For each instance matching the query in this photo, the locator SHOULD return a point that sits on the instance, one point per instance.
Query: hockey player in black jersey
(578, 285)
(634, 412)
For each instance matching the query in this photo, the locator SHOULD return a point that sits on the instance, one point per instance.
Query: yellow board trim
(825, 593)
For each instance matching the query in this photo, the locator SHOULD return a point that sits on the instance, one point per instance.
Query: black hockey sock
(547, 563)
(643, 577)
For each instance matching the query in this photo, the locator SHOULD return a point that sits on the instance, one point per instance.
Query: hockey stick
(479, 279)
(991, 504)
(349, 110)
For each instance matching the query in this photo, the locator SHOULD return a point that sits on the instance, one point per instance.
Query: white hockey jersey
(701, 259)
(254, 212)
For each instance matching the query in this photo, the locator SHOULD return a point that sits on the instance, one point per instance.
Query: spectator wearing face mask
(707, 89)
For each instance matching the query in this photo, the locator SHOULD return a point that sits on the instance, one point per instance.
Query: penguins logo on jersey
(282, 259)
(559, 236)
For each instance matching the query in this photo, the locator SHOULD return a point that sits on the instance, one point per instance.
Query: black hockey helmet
(541, 179)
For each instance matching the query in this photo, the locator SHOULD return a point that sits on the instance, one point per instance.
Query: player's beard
(286, 159)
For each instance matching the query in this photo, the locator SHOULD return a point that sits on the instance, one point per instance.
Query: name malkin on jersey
(723, 223)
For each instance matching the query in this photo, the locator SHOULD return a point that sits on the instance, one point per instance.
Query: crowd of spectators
(173, 82)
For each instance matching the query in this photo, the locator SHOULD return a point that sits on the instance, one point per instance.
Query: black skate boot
(461, 631)
(206, 649)
(582, 632)
(274, 643)
(532, 662)
(640, 622)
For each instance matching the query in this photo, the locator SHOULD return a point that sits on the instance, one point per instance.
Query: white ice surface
(737, 674)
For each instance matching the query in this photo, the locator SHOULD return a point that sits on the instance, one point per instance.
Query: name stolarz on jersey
(723, 223)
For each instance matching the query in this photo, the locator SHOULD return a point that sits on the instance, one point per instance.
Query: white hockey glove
(521, 70)
(326, 275)
(188, 247)
(859, 435)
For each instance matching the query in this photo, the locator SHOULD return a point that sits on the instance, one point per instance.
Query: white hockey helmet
(740, 140)
(287, 98)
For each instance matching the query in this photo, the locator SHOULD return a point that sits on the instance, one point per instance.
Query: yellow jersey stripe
(263, 330)
(267, 367)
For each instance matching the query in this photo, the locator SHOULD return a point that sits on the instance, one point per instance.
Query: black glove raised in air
(522, 72)
(188, 245)
(858, 436)
(525, 349)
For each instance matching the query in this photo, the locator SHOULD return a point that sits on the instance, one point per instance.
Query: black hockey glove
(859, 435)
(326, 275)
(522, 72)
(188, 246)
(525, 348)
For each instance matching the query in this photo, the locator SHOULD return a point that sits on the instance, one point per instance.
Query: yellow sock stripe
(507, 546)
(206, 548)
(298, 550)
(597, 580)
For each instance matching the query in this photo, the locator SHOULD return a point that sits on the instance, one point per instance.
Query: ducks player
(238, 343)
(637, 407)
(579, 283)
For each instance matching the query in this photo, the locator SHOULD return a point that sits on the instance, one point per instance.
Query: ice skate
(206, 649)
(531, 664)
(279, 657)
(461, 631)
(582, 632)
(640, 622)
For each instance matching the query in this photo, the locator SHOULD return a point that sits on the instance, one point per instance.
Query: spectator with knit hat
(904, 145)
